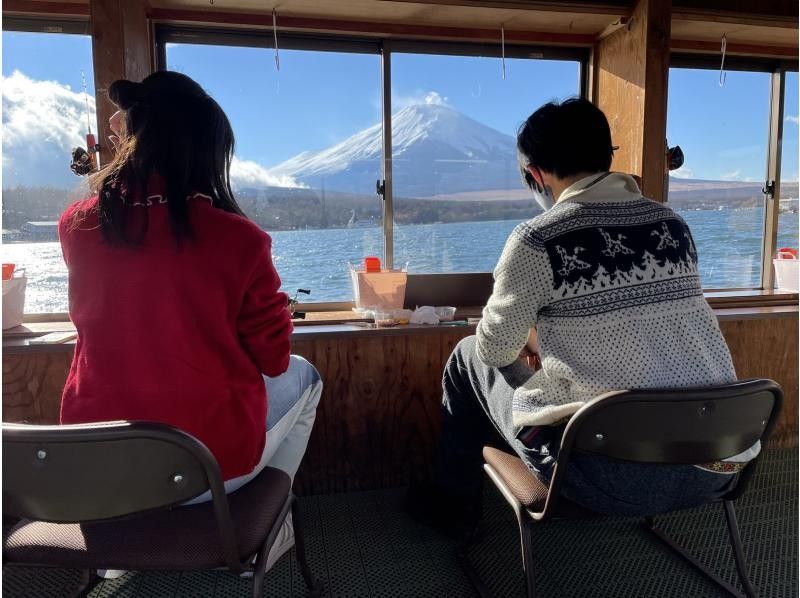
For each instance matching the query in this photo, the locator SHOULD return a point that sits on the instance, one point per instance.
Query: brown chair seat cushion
(178, 538)
(529, 490)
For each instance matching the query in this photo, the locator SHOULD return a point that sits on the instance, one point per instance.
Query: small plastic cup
(384, 319)
(446, 313)
(8, 271)
(402, 316)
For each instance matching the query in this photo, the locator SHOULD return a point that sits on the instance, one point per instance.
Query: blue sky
(723, 129)
(319, 98)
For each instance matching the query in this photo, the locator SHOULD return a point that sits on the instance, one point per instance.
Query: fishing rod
(84, 161)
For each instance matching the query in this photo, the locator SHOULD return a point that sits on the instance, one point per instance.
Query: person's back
(173, 292)
(599, 293)
(612, 288)
(161, 331)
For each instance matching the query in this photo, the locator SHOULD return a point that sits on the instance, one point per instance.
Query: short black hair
(565, 139)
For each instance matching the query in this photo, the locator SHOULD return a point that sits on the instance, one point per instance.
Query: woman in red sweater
(174, 295)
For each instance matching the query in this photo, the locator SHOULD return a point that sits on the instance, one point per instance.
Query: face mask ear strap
(536, 174)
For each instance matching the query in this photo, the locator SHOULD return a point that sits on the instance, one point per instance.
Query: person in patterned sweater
(600, 292)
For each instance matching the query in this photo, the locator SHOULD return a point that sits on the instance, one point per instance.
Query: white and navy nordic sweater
(609, 280)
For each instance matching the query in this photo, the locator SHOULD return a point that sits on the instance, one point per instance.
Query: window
(723, 132)
(308, 153)
(45, 115)
(310, 148)
(456, 183)
(787, 218)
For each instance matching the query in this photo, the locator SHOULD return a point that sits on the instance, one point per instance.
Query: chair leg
(313, 585)
(89, 581)
(526, 533)
(260, 571)
(526, 540)
(649, 525)
(462, 556)
(738, 552)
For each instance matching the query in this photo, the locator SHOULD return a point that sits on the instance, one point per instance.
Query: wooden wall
(122, 49)
(379, 416)
(629, 83)
(378, 420)
(769, 349)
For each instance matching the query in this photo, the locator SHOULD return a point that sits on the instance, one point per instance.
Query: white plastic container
(787, 274)
(385, 289)
(14, 300)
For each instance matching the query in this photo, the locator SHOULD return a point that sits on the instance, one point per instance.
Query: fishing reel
(293, 301)
(84, 161)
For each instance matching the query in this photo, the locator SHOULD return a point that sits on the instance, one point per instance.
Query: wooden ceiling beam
(738, 49)
(587, 8)
(734, 18)
(376, 29)
(35, 8)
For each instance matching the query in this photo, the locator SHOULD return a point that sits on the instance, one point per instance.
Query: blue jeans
(477, 406)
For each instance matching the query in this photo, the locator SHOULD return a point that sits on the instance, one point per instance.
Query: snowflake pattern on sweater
(609, 280)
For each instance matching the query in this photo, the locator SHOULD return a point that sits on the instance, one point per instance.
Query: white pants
(293, 398)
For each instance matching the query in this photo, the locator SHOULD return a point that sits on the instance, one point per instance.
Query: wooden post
(631, 67)
(122, 47)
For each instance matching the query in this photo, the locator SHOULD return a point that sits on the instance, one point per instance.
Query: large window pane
(308, 153)
(788, 217)
(457, 188)
(723, 133)
(45, 115)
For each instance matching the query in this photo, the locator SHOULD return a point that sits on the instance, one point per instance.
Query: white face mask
(544, 198)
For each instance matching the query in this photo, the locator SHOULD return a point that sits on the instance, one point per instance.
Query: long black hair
(172, 129)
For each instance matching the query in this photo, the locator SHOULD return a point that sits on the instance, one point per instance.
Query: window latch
(769, 189)
(380, 188)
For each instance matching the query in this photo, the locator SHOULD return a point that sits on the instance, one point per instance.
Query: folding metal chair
(109, 496)
(688, 426)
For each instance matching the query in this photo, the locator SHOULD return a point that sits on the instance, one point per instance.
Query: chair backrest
(687, 425)
(691, 425)
(92, 472)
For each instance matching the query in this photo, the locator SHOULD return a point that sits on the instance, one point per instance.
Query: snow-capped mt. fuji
(437, 150)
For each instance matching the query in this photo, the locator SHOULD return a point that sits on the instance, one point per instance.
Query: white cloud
(43, 112)
(434, 98)
(730, 176)
(246, 173)
(682, 173)
(424, 97)
(793, 119)
(44, 120)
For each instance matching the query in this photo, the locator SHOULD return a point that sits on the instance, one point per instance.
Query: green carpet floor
(363, 544)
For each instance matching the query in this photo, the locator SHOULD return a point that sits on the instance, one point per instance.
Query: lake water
(728, 243)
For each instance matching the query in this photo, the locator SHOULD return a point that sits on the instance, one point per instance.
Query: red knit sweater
(179, 336)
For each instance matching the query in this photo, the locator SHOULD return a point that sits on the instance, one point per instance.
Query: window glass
(308, 153)
(45, 115)
(788, 218)
(457, 189)
(723, 132)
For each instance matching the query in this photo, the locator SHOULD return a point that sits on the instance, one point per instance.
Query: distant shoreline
(16, 236)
